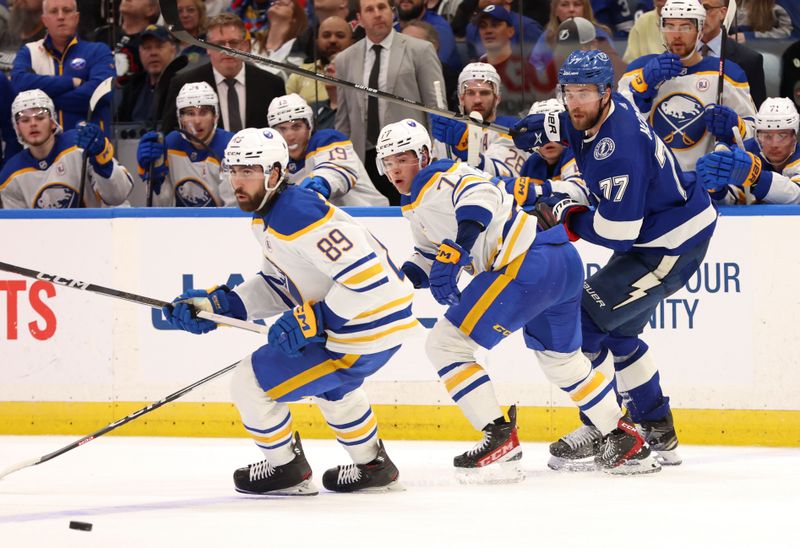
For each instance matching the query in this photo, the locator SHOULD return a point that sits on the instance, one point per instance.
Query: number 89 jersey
(314, 251)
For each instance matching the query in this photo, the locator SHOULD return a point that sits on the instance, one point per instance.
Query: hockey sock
(470, 387)
(354, 424)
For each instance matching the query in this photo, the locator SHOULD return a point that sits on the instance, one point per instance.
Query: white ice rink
(178, 493)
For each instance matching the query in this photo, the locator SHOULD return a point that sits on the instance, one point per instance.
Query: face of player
(248, 185)
(584, 104)
(551, 152)
(401, 168)
(479, 96)
(199, 121)
(680, 36)
(777, 144)
(35, 126)
(296, 133)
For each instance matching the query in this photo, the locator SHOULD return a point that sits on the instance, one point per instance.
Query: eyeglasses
(232, 44)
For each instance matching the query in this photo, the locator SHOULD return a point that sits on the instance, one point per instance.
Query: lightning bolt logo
(639, 289)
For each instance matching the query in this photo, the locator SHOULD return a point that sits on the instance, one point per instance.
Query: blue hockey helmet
(587, 67)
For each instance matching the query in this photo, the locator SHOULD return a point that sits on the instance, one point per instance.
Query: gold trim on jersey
(374, 337)
(305, 230)
(310, 375)
(387, 306)
(326, 147)
(426, 187)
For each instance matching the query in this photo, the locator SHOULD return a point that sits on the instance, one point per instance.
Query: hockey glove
(297, 328)
(536, 130)
(183, 312)
(317, 184)
(151, 149)
(99, 149)
(450, 259)
(449, 131)
(415, 275)
(717, 170)
(720, 121)
(555, 210)
(660, 68)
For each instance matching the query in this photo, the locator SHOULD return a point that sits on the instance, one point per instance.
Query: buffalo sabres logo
(604, 148)
(413, 123)
(267, 134)
(193, 193)
(56, 196)
(678, 120)
(79, 63)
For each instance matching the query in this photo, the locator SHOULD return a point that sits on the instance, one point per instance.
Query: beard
(251, 202)
(409, 14)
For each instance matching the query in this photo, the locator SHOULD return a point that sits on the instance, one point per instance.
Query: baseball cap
(575, 32)
(495, 12)
(158, 32)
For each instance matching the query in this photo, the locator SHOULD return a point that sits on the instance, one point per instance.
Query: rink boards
(72, 361)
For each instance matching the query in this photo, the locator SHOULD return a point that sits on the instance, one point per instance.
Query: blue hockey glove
(450, 259)
(720, 121)
(717, 170)
(152, 151)
(660, 68)
(297, 328)
(415, 275)
(317, 184)
(536, 130)
(556, 209)
(183, 312)
(90, 138)
(449, 131)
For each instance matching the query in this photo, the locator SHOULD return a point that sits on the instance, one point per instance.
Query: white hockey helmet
(32, 99)
(400, 137)
(259, 147)
(287, 108)
(478, 71)
(546, 107)
(778, 113)
(197, 94)
(684, 9)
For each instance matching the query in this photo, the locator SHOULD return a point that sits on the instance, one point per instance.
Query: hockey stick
(474, 140)
(98, 93)
(440, 150)
(169, 10)
(130, 297)
(114, 425)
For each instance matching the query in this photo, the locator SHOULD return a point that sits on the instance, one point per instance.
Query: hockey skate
(576, 451)
(495, 459)
(378, 475)
(661, 437)
(292, 478)
(624, 452)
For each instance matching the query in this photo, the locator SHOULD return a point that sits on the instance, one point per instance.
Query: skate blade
(560, 464)
(508, 471)
(647, 465)
(394, 486)
(668, 458)
(303, 489)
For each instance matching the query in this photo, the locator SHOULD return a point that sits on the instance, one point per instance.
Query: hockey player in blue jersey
(769, 164)
(186, 165)
(523, 279)
(657, 221)
(324, 160)
(344, 310)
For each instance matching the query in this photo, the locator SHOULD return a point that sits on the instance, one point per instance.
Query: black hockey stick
(169, 10)
(114, 425)
(99, 92)
(130, 297)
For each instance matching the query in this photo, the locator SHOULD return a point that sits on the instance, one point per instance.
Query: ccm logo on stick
(41, 329)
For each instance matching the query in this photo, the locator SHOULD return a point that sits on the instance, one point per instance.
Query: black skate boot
(624, 452)
(380, 474)
(575, 452)
(292, 478)
(661, 437)
(500, 445)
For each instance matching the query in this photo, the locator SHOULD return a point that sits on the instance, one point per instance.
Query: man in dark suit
(244, 91)
(751, 61)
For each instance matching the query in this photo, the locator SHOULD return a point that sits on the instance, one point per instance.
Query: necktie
(705, 50)
(234, 118)
(373, 123)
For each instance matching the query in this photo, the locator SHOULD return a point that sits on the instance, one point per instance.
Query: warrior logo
(56, 196)
(679, 115)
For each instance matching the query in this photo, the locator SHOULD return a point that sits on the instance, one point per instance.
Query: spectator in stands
(645, 36)
(253, 13)
(328, 8)
(243, 89)
(278, 41)
(192, 14)
(157, 48)
(9, 145)
(47, 174)
(790, 73)
(25, 23)
(792, 7)
(750, 61)
(185, 166)
(415, 10)
(333, 35)
(135, 16)
(529, 32)
(620, 16)
(761, 19)
(426, 31)
(66, 68)
(389, 61)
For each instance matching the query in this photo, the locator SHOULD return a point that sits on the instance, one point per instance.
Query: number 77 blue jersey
(644, 202)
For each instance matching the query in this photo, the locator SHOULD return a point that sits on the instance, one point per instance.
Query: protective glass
(398, 161)
(776, 137)
(191, 112)
(25, 116)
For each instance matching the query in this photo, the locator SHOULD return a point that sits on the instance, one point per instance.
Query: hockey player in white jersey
(677, 90)
(769, 164)
(47, 172)
(479, 91)
(523, 279)
(324, 160)
(185, 166)
(344, 311)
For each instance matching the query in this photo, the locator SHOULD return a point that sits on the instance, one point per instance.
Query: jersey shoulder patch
(325, 137)
(297, 211)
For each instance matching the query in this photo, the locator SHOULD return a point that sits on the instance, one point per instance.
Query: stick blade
(169, 10)
(100, 91)
(19, 466)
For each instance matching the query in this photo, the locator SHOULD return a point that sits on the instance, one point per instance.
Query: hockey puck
(80, 525)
